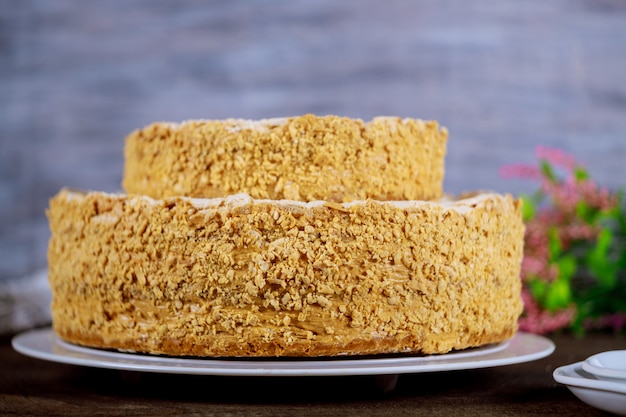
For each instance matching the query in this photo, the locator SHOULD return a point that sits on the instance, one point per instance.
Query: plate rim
(523, 347)
(563, 375)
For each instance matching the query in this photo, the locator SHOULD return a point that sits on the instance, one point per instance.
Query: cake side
(299, 158)
(245, 277)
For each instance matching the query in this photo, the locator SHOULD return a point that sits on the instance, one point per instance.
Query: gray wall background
(503, 76)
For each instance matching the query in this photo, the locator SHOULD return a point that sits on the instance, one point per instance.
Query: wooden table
(34, 387)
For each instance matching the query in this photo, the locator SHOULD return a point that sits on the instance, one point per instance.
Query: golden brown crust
(244, 277)
(299, 158)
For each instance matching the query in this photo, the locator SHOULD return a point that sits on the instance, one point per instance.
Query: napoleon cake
(299, 237)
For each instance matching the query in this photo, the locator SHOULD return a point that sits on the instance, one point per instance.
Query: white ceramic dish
(610, 365)
(604, 395)
(524, 347)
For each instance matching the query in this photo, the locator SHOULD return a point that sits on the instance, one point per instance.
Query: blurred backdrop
(504, 76)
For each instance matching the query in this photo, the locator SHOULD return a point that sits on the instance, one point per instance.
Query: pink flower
(520, 171)
(537, 320)
(615, 322)
(556, 156)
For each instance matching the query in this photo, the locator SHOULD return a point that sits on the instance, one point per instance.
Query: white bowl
(610, 365)
(604, 395)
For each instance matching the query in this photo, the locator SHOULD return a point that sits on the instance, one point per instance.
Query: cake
(298, 237)
(301, 158)
(242, 277)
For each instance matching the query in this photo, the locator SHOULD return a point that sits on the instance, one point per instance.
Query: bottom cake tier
(239, 277)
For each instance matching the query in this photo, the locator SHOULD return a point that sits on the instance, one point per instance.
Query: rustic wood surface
(32, 387)
(503, 76)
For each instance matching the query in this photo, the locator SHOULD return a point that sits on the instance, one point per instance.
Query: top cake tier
(302, 158)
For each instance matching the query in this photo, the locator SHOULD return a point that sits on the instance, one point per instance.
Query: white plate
(604, 395)
(524, 347)
(609, 365)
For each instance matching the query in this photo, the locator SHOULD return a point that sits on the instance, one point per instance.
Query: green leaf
(554, 243)
(558, 295)
(605, 237)
(580, 174)
(598, 261)
(567, 267)
(547, 170)
(585, 212)
(538, 289)
(529, 207)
